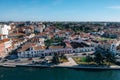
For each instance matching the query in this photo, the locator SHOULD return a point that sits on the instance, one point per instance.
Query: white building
(5, 47)
(86, 49)
(4, 29)
(110, 46)
(113, 47)
(39, 28)
(42, 40)
(8, 46)
(42, 52)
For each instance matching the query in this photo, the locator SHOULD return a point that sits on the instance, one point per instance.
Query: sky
(60, 10)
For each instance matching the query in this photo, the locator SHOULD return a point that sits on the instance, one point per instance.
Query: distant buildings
(5, 47)
(39, 28)
(35, 50)
(29, 39)
(110, 46)
(5, 43)
(4, 29)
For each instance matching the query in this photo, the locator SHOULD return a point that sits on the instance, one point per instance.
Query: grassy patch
(102, 39)
(63, 60)
(82, 60)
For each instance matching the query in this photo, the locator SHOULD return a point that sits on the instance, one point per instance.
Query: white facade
(4, 29)
(8, 44)
(50, 52)
(44, 26)
(42, 41)
(31, 36)
(86, 49)
(3, 37)
(113, 47)
(39, 29)
(28, 31)
(5, 48)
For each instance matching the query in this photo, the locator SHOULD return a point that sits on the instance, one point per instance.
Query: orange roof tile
(4, 40)
(39, 47)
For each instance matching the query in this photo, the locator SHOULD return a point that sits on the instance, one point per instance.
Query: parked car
(17, 60)
(4, 60)
(83, 53)
(29, 58)
(42, 57)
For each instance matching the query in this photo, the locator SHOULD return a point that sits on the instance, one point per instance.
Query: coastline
(59, 66)
(71, 64)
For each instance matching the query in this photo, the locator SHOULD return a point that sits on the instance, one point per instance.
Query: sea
(29, 73)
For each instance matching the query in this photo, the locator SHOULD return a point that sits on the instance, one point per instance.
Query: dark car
(42, 57)
(83, 53)
(4, 60)
(29, 58)
(17, 60)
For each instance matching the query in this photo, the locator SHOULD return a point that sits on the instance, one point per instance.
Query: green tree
(99, 58)
(55, 59)
(48, 42)
(62, 56)
(88, 59)
(110, 58)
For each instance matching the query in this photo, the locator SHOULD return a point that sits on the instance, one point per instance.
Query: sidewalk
(70, 63)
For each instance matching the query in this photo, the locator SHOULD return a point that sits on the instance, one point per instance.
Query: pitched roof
(55, 47)
(4, 40)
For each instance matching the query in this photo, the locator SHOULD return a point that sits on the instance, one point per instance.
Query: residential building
(4, 29)
(5, 47)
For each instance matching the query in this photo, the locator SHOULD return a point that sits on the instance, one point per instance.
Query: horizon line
(52, 21)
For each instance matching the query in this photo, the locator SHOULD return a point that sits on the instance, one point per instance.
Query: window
(42, 54)
(31, 48)
(49, 54)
